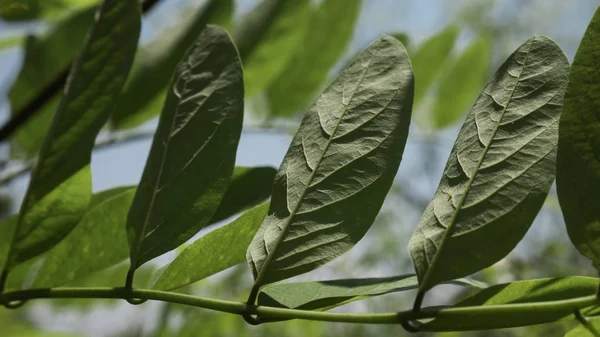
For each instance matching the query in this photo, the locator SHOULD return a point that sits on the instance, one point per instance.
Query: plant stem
(240, 308)
(586, 323)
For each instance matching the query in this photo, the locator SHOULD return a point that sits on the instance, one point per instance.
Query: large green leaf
(249, 186)
(216, 251)
(61, 184)
(98, 242)
(500, 169)
(460, 85)
(578, 162)
(45, 59)
(339, 167)
(328, 34)
(429, 59)
(584, 331)
(7, 228)
(18, 10)
(193, 152)
(530, 291)
(324, 295)
(278, 42)
(147, 88)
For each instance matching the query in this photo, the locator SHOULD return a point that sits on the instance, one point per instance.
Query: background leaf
(459, 86)
(499, 171)
(339, 167)
(45, 59)
(578, 162)
(7, 228)
(330, 29)
(147, 88)
(582, 331)
(530, 291)
(193, 152)
(216, 251)
(19, 10)
(99, 241)
(324, 295)
(249, 186)
(60, 187)
(282, 35)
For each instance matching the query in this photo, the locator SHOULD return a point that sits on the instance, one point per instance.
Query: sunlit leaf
(339, 167)
(98, 242)
(329, 32)
(277, 44)
(324, 295)
(61, 184)
(147, 88)
(45, 59)
(500, 169)
(193, 152)
(530, 291)
(216, 251)
(459, 86)
(578, 162)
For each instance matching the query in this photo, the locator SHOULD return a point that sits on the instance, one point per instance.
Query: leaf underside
(339, 167)
(499, 171)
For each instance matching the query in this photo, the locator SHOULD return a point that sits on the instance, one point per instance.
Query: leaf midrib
(424, 284)
(270, 256)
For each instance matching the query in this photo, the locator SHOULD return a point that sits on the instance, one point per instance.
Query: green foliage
(71, 245)
(60, 187)
(193, 152)
(353, 136)
(324, 295)
(500, 169)
(530, 291)
(45, 58)
(578, 162)
(216, 251)
(147, 88)
(307, 70)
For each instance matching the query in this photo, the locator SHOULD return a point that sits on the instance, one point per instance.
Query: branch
(19, 118)
(266, 312)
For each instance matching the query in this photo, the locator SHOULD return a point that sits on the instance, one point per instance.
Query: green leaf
(7, 228)
(429, 59)
(578, 162)
(20, 10)
(460, 85)
(282, 35)
(249, 186)
(339, 167)
(11, 41)
(583, 331)
(252, 28)
(147, 88)
(96, 243)
(61, 184)
(45, 59)
(402, 37)
(500, 169)
(193, 152)
(530, 291)
(307, 71)
(216, 251)
(324, 295)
